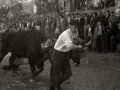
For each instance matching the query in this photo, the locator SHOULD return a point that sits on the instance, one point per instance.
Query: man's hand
(87, 44)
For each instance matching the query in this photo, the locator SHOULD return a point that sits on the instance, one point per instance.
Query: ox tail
(3, 47)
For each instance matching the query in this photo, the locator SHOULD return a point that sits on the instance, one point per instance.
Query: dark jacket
(118, 35)
(81, 20)
(118, 21)
(106, 20)
(88, 20)
(100, 19)
(112, 30)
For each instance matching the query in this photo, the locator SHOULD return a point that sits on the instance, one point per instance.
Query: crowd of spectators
(102, 29)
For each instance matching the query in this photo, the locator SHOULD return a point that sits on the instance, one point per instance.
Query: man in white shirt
(60, 65)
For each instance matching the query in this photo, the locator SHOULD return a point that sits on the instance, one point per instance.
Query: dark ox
(25, 44)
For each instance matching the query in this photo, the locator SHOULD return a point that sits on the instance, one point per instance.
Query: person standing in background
(43, 24)
(100, 17)
(112, 31)
(107, 35)
(53, 25)
(86, 23)
(69, 19)
(81, 26)
(50, 24)
(63, 23)
(47, 28)
(58, 24)
(89, 36)
(93, 23)
(106, 17)
(113, 17)
(99, 37)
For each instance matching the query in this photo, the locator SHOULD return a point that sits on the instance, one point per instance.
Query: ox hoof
(31, 80)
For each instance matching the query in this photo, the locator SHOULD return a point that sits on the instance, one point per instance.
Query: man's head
(107, 13)
(79, 15)
(47, 17)
(99, 23)
(94, 14)
(112, 13)
(99, 12)
(61, 16)
(85, 14)
(73, 26)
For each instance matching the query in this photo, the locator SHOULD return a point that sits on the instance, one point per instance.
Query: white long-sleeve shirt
(64, 41)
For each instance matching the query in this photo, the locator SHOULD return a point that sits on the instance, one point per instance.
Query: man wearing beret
(60, 65)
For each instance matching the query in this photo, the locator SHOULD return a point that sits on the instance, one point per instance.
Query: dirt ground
(96, 72)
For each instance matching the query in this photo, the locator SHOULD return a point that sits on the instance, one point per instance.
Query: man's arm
(69, 44)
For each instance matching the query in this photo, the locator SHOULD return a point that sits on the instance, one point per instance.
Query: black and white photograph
(59, 44)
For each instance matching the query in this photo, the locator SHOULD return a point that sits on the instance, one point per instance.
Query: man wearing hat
(60, 65)
(113, 17)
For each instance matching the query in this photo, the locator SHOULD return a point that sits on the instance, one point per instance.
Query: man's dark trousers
(100, 43)
(60, 69)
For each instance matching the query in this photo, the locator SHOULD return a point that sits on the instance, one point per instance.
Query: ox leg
(2, 55)
(33, 68)
(40, 67)
(11, 64)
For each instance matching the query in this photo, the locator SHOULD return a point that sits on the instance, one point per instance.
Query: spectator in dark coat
(86, 23)
(81, 26)
(106, 17)
(58, 24)
(93, 23)
(63, 23)
(112, 31)
(118, 33)
(43, 24)
(100, 17)
(69, 19)
(53, 25)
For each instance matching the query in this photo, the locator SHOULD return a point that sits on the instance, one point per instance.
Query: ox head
(50, 41)
(48, 45)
